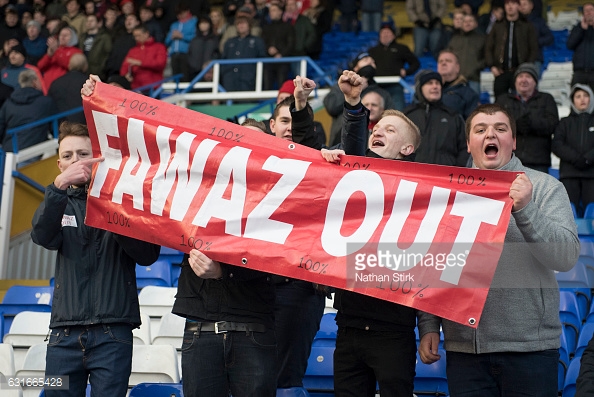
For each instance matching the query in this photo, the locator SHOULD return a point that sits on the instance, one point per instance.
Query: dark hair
(68, 128)
(285, 102)
(490, 109)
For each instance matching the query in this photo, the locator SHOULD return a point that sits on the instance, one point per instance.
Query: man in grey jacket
(515, 346)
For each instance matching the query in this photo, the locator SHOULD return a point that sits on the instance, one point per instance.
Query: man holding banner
(514, 349)
(371, 331)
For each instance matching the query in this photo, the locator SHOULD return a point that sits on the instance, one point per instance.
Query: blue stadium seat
(587, 246)
(319, 375)
(570, 378)
(157, 389)
(327, 332)
(431, 379)
(88, 392)
(589, 211)
(570, 320)
(576, 281)
(585, 335)
(292, 392)
(173, 256)
(19, 298)
(159, 274)
(563, 362)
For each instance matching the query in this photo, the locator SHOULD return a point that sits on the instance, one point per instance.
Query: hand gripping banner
(420, 235)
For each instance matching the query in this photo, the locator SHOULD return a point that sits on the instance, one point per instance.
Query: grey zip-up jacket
(521, 313)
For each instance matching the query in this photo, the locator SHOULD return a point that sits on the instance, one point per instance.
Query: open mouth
(491, 150)
(377, 143)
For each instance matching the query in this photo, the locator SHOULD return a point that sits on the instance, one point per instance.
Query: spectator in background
(427, 16)
(469, 47)
(6, 46)
(456, 93)
(573, 143)
(96, 45)
(442, 129)
(449, 32)
(393, 59)
(375, 104)
(145, 62)
(230, 8)
(110, 22)
(244, 45)
(364, 66)
(178, 40)
(121, 45)
(581, 42)
(487, 21)
(40, 17)
(65, 90)
(584, 384)
(511, 43)
(16, 64)
(11, 28)
(371, 15)
(204, 47)
(26, 17)
(261, 11)
(219, 24)
(536, 118)
(34, 43)
(55, 9)
(472, 5)
(147, 18)
(55, 62)
(305, 33)
(279, 38)
(119, 81)
(544, 36)
(348, 15)
(231, 30)
(321, 17)
(26, 105)
(127, 7)
(74, 17)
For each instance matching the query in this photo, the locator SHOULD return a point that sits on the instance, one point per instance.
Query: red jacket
(56, 65)
(153, 56)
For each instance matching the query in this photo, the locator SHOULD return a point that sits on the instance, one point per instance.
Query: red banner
(424, 236)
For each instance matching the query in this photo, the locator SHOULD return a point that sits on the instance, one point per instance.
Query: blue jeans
(503, 374)
(363, 358)
(426, 38)
(396, 91)
(100, 354)
(298, 310)
(240, 363)
(371, 21)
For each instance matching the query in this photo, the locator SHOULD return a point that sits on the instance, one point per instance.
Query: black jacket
(24, 106)
(581, 42)
(534, 136)
(393, 57)
(526, 49)
(442, 131)
(357, 310)
(95, 279)
(242, 295)
(64, 92)
(573, 143)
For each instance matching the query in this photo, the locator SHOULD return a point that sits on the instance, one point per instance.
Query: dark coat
(526, 45)
(458, 96)
(65, 91)
(393, 57)
(24, 106)
(241, 77)
(202, 49)
(581, 42)
(573, 143)
(95, 280)
(533, 139)
(442, 131)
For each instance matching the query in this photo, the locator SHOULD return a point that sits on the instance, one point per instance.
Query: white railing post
(6, 210)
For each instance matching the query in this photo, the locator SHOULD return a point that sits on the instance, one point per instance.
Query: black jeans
(503, 374)
(363, 358)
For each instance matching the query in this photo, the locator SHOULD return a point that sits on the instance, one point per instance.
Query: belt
(222, 327)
